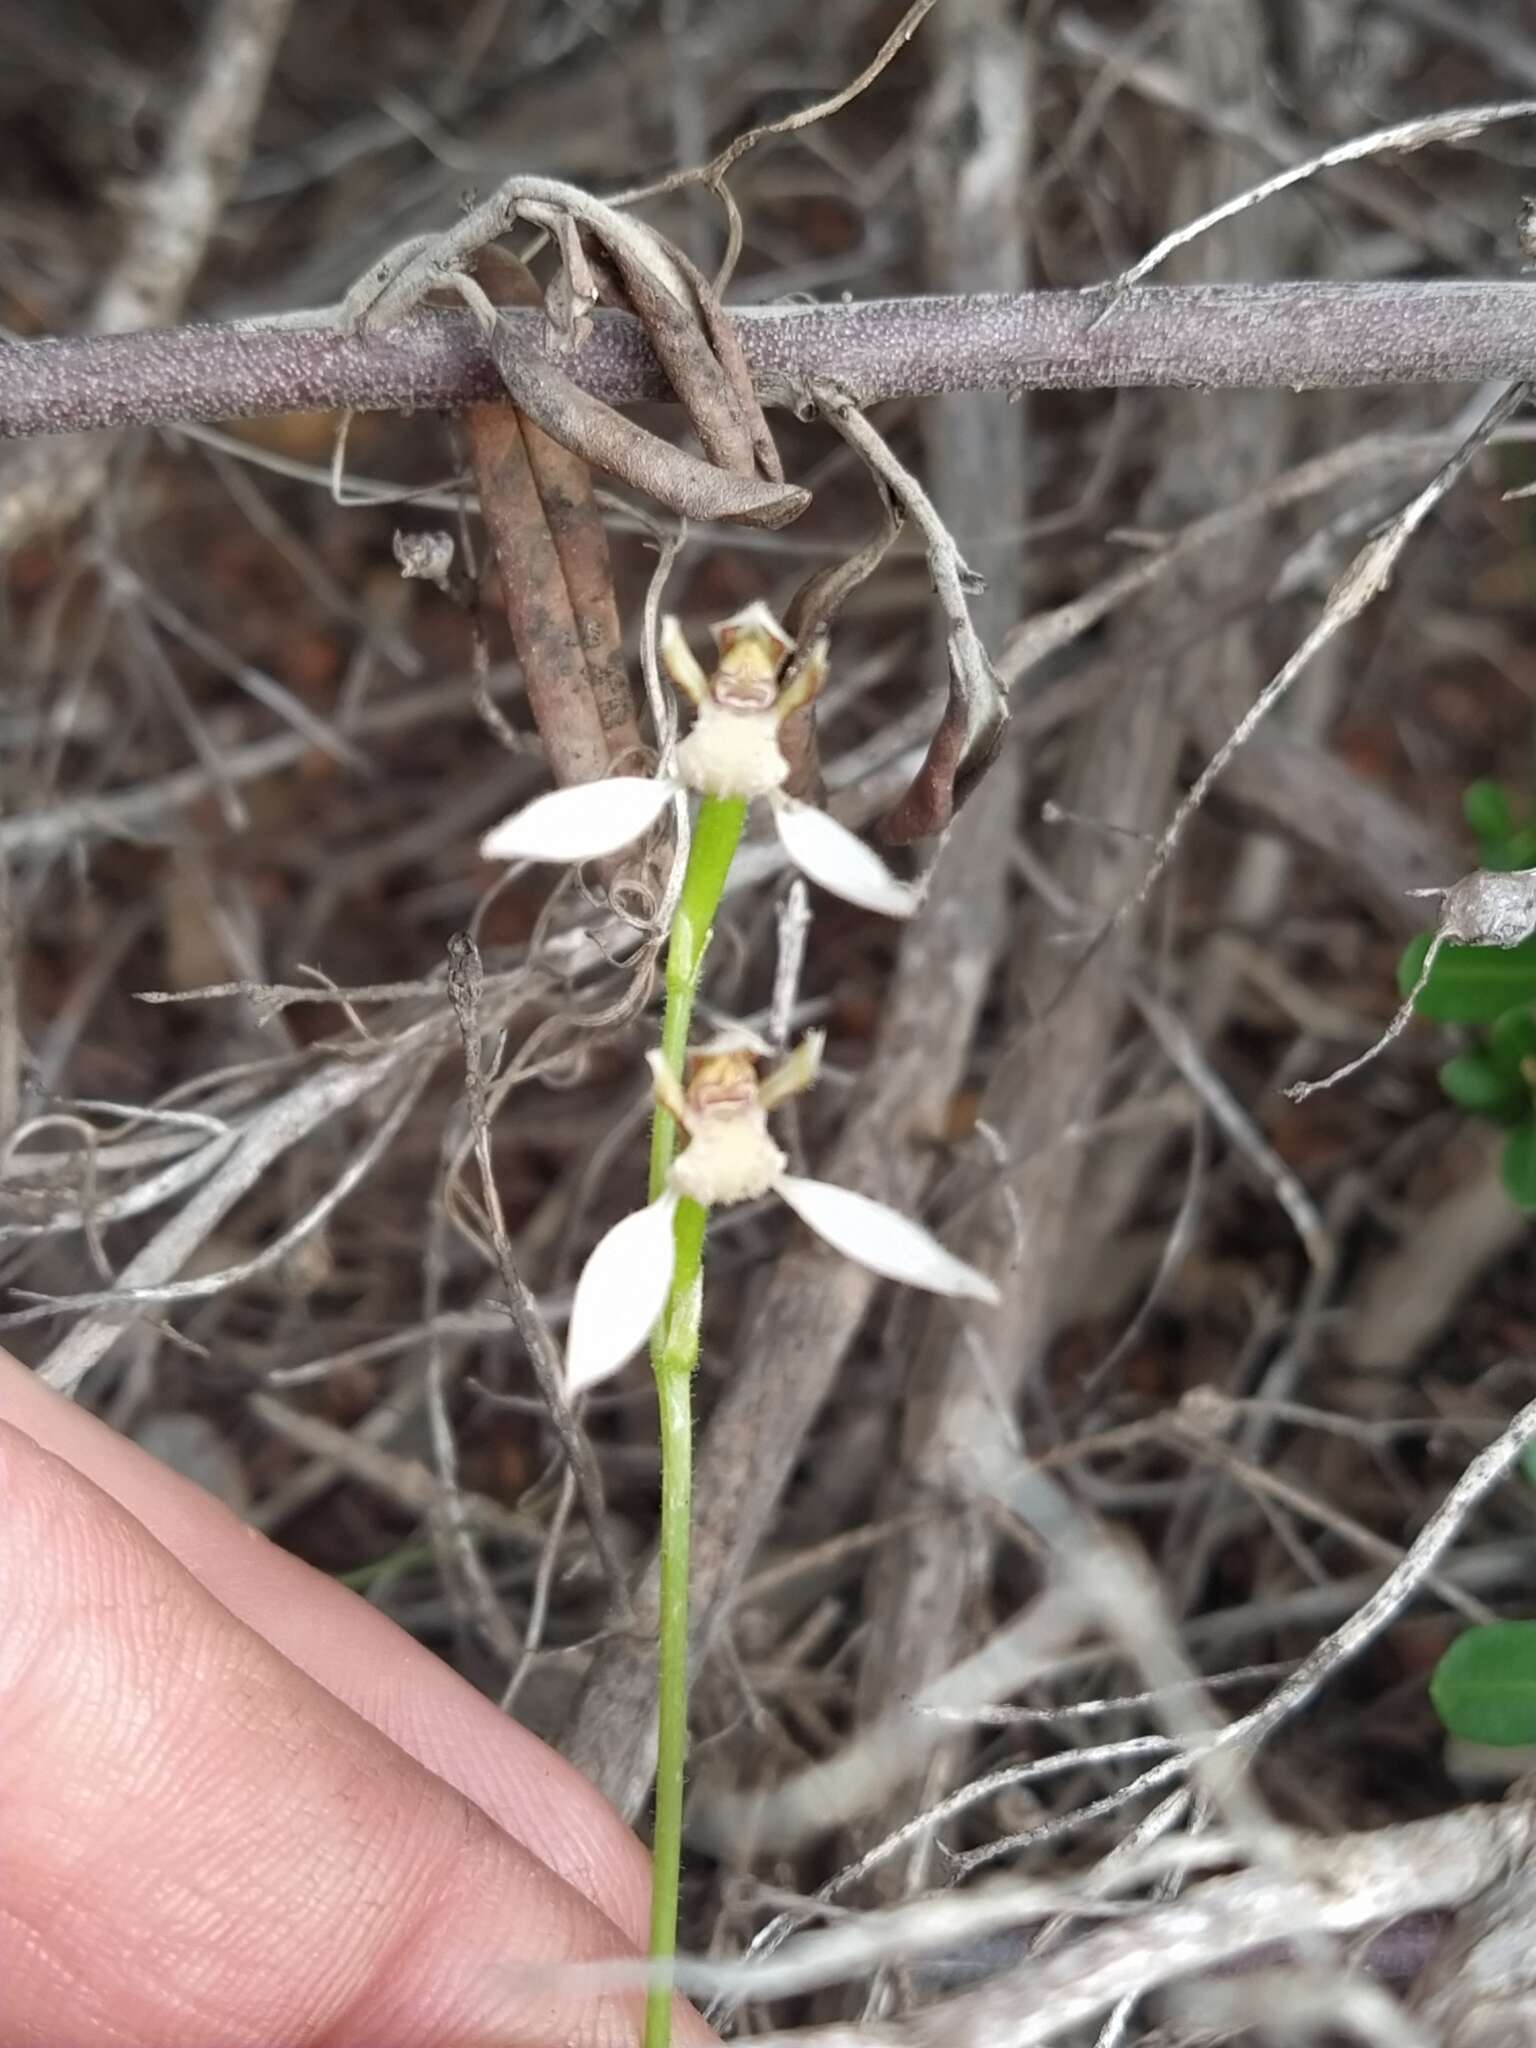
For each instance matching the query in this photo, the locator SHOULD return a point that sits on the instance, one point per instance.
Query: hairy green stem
(677, 1355)
(674, 1356)
(716, 835)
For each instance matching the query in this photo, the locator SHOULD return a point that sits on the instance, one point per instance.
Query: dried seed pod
(1486, 908)
(426, 556)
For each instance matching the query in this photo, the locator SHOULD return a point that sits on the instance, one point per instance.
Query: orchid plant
(646, 1274)
(732, 753)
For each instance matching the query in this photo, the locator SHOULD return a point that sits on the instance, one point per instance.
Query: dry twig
(1337, 1884)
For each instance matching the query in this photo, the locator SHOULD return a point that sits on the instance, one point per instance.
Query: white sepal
(583, 822)
(621, 1292)
(840, 861)
(883, 1239)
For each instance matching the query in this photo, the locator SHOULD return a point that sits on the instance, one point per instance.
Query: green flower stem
(716, 835)
(674, 1356)
(677, 1355)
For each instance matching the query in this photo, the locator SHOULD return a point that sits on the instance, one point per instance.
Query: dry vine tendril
(633, 267)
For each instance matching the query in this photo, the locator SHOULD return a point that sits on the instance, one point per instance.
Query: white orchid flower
(730, 1157)
(732, 751)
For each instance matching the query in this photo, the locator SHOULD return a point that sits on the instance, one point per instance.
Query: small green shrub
(1484, 1687)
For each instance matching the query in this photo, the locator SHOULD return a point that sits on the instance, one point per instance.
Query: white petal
(621, 1292)
(840, 861)
(883, 1239)
(583, 822)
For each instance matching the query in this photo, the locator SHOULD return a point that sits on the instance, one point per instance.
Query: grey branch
(1222, 336)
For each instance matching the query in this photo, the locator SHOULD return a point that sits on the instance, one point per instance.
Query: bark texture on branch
(1218, 336)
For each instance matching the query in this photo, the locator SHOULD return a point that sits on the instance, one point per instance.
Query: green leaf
(1512, 1041)
(1475, 1083)
(1486, 809)
(1484, 1687)
(1517, 1165)
(1470, 984)
(1528, 1463)
(1518, 851)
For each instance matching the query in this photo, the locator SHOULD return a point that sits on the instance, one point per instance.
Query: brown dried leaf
(683, 347)
(960, 753)
(534, 593)
(622, 449)
(576, 526)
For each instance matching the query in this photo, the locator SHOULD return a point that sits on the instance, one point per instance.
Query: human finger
(202, 1844)
(358, 1654)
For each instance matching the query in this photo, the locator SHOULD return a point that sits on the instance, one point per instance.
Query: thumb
(203, 1845)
